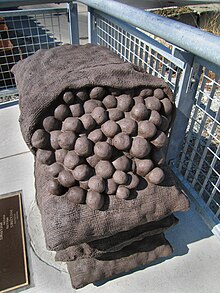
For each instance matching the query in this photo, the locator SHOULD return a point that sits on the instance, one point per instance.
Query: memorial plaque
(13, 263)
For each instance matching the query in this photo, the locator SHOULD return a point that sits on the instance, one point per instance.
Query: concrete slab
(193, 267)
(11, 141)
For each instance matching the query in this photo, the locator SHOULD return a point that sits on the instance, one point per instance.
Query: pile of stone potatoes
(100, 140)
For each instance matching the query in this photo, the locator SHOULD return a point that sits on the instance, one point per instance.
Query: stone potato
(138, 99)
(133, 180)
(67, 140)
(110, 128)
(146, 129)
(72, 160)
(156, 176)
(55, 169)
(50, 123)
(147, 92)
(111, 186)
(115, 114)
(124, 103)
(120, 177)
(122, 163)
(94, 200)
(122, 192)
(110, 102)
(140, 112)
(155, 118)
(128, 126)
(72, 124)
(143, 167)
(55, 188)
(100, 115)
(66, 178)
(54, 139)
(104, 169)
(159, 140)
(167, 106)
(153, 103)
(159, 94)
(82, 172)
(69, 98)
(77, 110)
(84, 184)
(60, 155)
(82, 95)
(92, 160)
(97, 93)
(40, 139)
(76, 195)
(45, 156)
(97, 183)
(83, 146)
(88, 122)
(103, 150)
(90, 105)
(96, 135)
(140, 147)
(122, 141)
(62, 112)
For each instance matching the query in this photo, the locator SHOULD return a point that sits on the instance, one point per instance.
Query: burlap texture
(90, 270)
(116, 242)
(66, 224)
(42, 77)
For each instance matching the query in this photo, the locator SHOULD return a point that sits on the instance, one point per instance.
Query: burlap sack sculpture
(97, 127)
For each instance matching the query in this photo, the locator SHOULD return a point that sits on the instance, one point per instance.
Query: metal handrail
(5, 13)
(13, 3)
(194, 40)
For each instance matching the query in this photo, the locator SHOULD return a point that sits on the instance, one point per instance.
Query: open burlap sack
(91, 270)
(41, 80)
(42, 77)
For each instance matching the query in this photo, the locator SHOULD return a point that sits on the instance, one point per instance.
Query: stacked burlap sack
(97, 127)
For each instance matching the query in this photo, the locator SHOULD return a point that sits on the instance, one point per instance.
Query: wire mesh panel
(23, 32)
(199, 161)
(136, 50)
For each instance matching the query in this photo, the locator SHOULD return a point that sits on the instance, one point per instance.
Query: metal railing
(188, 60)
(25, 31)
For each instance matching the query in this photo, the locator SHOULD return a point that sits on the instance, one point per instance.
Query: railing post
(73, 23)
(92, 31)
(184, 102)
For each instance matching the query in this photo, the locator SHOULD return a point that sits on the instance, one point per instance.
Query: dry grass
(212, 24)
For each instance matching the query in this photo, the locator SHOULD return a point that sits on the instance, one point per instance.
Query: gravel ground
(4, 99)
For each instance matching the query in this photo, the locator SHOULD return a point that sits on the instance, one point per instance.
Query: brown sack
(41, 80)
(90, 270)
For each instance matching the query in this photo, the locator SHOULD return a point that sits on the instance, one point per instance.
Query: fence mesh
(132, 49)
(23, 34)
(200, 157)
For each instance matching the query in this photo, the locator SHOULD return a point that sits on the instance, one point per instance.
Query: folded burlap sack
(90, 270)
(101, 247)
(100, 125)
